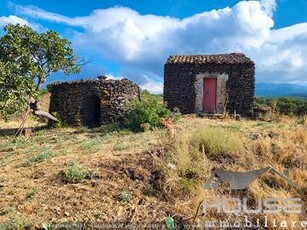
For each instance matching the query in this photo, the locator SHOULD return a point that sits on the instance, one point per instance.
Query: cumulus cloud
(141, 43)
(269, 6)
(153, 87)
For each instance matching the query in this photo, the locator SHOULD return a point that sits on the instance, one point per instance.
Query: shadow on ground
(27, 131)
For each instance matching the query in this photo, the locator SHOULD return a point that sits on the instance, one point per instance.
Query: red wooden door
(209, 98)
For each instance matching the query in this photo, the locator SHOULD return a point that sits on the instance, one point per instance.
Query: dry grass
(144, 176)
(202, 145)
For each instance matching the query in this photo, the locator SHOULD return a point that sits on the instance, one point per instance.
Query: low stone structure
(210, 83)
(92, 102)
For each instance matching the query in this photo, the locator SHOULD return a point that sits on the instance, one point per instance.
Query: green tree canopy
(27, 58)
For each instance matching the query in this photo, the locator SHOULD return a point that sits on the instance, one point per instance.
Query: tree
(27, 58)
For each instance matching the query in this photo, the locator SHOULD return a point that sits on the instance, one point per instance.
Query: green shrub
(6, 210)
(15, 223)
(292, 106)
(284, 105)
(45, 155)
(91, 144)
(109, 129)
(124, 197)
(74, 174)
(301, 120)
(146, 113)
(21, 142)
(31, 194)
(56, 124)
(67, 225)
(150, 190)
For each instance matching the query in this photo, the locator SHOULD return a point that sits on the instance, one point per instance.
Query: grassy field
(110, 174)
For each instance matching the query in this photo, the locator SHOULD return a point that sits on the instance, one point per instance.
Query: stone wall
(92, 102)
(180, 80)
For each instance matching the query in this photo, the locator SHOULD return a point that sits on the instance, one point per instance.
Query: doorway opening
(90, 111)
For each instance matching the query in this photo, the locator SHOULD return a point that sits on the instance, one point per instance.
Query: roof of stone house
(89, 81)
(232, 58)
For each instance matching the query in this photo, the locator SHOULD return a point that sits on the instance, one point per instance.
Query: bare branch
(45, 62)
(83, 61)
(42, 113)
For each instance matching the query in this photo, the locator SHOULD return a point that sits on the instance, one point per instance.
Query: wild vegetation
(146, 113)
(284, 105)
(80, 176)
(27, 58)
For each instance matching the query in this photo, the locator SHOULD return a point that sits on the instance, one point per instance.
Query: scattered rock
(272, 134)
(238, 117)
(156, 180)
(254, 136)
(171, 166)
(132, 174)
(37, 175)
(58, 209)
(275, 148)
(45, 226)
(141, 201)
(158, 151)
(94, 183)
(225, 158)
(295, 160)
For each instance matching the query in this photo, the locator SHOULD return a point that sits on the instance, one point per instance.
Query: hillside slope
(280, 90)
(72, 175)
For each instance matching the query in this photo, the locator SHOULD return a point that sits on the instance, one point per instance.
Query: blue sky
(133, 38)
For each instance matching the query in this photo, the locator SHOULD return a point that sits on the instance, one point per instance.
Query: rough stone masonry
(184, 77)
(92, 102)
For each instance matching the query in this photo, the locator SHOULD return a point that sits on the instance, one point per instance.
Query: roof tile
(232, 58)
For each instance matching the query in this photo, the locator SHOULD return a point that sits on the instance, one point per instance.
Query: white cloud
(39, 13)
(269, 6)
(141, 43)
(111, 76)
(12, 19)
(153, 87)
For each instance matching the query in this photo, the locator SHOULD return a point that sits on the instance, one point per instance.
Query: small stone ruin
(92, 103)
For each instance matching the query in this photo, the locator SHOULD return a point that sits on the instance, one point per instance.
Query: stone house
(210, 83)
(92, 102)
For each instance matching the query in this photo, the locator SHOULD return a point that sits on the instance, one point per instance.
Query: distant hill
(280, 90)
